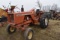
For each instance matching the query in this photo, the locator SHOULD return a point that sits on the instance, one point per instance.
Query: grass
(50, 33)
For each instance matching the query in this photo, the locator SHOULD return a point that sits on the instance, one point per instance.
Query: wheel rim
(11, 29)
(46, 21)
(30, 34)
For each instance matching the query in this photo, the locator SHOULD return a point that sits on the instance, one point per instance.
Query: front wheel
(28, 34)
(10, 29)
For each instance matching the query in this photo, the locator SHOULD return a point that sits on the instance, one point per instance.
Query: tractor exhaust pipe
(22, 9)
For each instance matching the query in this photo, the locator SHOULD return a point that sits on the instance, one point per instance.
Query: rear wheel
(10, 29)
(28, 34)
(44, 21)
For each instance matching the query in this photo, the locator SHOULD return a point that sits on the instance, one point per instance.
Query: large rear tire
(44, 21)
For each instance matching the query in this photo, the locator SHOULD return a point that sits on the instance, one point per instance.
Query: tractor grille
(11, 18)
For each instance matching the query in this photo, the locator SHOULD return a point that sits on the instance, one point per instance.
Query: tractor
(21, 21)
(3, 16)
(55, 15)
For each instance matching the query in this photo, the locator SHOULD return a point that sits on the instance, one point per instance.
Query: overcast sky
(28, 4)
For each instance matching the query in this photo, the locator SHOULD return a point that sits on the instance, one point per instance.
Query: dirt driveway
(50, 33)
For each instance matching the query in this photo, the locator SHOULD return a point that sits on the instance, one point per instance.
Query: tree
(39, 4)
(54, 7)
(46, 8)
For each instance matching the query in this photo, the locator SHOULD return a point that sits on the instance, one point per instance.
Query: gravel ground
(50, 33)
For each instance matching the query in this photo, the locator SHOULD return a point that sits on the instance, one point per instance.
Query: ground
(52, 32)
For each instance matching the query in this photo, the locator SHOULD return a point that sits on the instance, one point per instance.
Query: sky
(28, 4)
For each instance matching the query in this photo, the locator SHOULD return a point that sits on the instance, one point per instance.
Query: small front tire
(28, 34)
(10, 29)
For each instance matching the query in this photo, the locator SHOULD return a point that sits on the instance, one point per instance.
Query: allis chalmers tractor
(21, 20)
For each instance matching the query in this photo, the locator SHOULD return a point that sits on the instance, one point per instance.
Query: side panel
(18, 18)
(35, 19)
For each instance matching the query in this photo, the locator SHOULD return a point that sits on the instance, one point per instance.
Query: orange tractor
(21, 20)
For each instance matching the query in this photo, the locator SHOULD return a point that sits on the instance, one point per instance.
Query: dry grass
(50, 33)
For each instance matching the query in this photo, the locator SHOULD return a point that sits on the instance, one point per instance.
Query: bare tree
(54, 7)
(39, 4)
(59, 9)
(46, 8)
